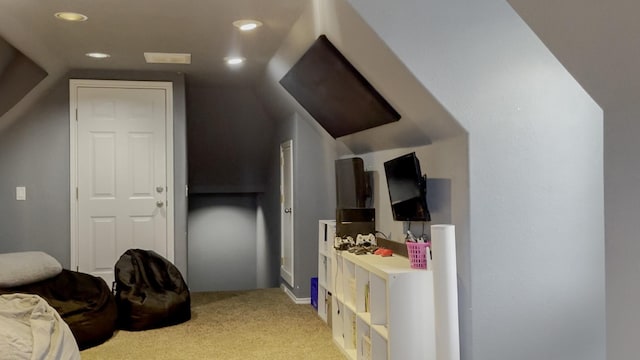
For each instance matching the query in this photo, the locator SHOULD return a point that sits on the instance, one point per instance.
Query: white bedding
(31, 329)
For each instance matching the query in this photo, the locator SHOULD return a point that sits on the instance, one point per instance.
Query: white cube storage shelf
(326, 233)
(381, 309)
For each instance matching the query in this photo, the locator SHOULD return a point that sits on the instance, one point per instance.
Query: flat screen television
(407, 188)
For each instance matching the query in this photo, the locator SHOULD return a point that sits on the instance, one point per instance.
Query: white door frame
(74, 85)
(288, 143)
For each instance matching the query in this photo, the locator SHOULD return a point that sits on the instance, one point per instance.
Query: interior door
(286, 213)
(121, 175)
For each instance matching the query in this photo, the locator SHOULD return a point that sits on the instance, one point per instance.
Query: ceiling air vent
(167, 58)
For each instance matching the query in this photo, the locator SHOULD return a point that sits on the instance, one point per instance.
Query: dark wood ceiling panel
(335, 93)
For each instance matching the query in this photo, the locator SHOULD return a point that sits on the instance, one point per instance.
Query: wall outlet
(21, 193)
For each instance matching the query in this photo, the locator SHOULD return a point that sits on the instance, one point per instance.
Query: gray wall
(314, 153)
(314, 198)
(229, 141)
(535, 176)
(229, 137)
(222, 242)
(270, 199)
(446, 163)
(447, 192)
(622, 206)
(34, 152)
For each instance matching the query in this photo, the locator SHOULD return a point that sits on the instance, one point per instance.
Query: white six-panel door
(121, 173)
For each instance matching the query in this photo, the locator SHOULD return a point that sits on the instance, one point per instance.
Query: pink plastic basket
(418, 254)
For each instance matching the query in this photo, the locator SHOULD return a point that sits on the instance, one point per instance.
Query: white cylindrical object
(443, 247)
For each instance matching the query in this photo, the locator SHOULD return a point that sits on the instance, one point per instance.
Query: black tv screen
(407, 188)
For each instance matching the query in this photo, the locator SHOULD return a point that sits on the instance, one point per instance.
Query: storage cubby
(381, 308)
(326, 234)
(349, 284)
(363, 341)
(349, 332)
(394, 307)
(363, 302)
(337, 327)
(378, 289)
(323, 303)
(379, 348)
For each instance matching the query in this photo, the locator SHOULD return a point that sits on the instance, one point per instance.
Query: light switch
(21, 193)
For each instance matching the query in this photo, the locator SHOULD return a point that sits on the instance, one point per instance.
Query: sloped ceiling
(126, 29)
(7, 53)
(18, 75)
(423, 119)
(597, 41)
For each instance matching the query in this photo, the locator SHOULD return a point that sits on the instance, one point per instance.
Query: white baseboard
(299, 301)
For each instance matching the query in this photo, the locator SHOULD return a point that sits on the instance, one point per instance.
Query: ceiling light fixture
(234, 60)
(247, 25)
(70, 16)
(97, 55)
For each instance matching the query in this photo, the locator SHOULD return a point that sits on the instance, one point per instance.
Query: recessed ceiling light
(234, 60)
(97, 55)
(247, 25)
(70, 16)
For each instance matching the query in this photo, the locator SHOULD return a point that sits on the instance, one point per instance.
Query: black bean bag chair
(150, 291)
(84, 302)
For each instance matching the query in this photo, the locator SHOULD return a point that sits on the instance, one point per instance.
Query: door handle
(159, 204)
(287, 211)
(159, 189)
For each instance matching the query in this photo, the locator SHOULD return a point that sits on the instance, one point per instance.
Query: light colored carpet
(256, 324)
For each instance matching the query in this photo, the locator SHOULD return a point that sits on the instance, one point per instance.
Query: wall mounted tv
(334, 92)
(407, 188)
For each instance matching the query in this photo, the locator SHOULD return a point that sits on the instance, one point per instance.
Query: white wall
(535, 176)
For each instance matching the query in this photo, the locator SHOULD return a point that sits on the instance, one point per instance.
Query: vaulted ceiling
(597, 41)
(127, 29)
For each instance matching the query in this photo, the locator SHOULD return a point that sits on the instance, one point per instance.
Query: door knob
(287, 211)
(159, 204)
(159, 189)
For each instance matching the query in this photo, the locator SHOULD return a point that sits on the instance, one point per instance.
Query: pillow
(27, 267)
